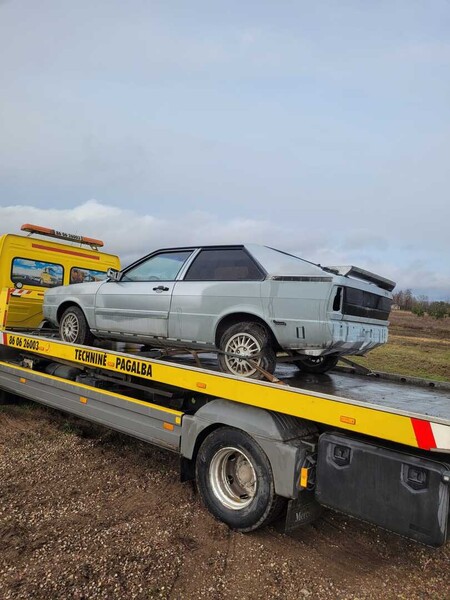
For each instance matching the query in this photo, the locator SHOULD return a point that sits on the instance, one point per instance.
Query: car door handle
(161, 288)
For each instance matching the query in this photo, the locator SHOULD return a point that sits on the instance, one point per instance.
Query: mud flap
(301, 511)
(402, 492)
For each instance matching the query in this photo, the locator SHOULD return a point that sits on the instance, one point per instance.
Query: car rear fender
(240, 315)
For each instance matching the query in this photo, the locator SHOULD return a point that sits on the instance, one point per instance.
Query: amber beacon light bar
(61, 235)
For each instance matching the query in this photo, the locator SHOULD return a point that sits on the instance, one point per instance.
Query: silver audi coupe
(244, 301)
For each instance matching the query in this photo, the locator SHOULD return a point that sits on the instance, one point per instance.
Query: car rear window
(228, 264)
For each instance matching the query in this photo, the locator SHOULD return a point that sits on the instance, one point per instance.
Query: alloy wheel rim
(70, 328)
(246, 346)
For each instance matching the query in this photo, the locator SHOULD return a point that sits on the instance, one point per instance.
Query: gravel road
(86, 513)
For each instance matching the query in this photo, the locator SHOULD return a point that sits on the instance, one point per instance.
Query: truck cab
(33, 263)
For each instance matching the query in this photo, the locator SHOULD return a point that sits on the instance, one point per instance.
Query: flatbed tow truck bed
(374, 449)
(407, 414)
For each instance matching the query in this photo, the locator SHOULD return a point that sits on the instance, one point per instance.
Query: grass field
(417, 346)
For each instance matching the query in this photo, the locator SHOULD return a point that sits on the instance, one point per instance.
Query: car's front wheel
(316, 364)
(74, 328)
(246, 340)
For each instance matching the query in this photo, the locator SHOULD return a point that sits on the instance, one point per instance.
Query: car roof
(274, 262)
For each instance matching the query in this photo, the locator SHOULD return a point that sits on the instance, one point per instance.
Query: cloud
(132, 235)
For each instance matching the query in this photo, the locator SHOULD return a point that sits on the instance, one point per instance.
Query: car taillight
(337, 302)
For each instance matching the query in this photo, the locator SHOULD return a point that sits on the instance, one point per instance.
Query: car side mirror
(113, 274)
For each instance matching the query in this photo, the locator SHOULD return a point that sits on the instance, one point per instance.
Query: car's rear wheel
(74, 328)
(246, 340)
(316, 364)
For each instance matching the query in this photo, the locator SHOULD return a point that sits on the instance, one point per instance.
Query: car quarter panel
(298, 312)
(198, 306)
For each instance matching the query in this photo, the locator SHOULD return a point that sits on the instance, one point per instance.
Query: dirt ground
(86, 513)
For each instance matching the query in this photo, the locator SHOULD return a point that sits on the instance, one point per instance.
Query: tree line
(420, 305)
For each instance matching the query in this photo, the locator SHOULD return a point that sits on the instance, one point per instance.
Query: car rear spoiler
(352, 271)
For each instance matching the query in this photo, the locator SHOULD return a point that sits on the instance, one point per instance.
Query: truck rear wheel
(6, 398)
(235, 480)
(74, 328)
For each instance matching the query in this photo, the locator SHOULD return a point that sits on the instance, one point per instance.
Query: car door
(139, 302)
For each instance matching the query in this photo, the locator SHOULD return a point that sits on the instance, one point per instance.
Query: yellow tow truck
(374, 448)
(31, 264)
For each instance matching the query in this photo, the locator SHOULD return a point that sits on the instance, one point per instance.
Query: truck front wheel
(235, 480)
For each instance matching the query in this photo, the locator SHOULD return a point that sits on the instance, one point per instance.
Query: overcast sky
(319, 127)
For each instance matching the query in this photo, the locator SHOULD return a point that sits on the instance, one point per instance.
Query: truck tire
(6, 398)
(73, 327)
(316, 364)
(235, 480)
(246, 338)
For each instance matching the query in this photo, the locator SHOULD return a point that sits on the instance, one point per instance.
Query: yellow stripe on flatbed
(380, 422)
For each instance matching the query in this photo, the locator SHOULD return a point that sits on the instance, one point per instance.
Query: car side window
(227, 264)
(160, 267)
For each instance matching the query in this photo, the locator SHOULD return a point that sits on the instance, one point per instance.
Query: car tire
(246, 338)
(317, 364)
(235, 480)
(73, 327)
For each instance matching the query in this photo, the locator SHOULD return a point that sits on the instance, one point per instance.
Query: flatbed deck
(406, 414)
(392, 396)
(396, 394)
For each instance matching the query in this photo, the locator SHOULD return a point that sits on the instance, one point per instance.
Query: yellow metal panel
(25, 308)
(4, 298)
